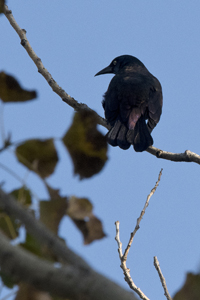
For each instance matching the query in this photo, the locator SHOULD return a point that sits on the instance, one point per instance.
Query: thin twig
(140, 217)
(162, 279)
(123, 257)
(187, 156)
(126, 271)
(18, 178)
(12, 173)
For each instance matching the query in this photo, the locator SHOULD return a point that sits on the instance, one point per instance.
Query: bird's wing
(111, 101)
(154, 104)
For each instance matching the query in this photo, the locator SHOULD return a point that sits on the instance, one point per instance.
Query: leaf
(9, 225)
(32, 245)
(80, 211)
(43, 251)
(52, 212)
(11, 91)
(79, 208)
(191, 288)
(86, 145)
(22, 195)
(39, 156)
(92, 229)
(7, 280)
(2, 2)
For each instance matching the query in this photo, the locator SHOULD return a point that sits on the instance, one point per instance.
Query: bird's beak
(106, 70)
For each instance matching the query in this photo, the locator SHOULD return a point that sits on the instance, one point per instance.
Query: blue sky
(76, 39)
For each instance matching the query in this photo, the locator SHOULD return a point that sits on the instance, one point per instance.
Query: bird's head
(121, 63)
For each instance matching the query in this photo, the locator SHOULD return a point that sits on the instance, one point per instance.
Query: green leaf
(11, 91)
(191, 288)
(38, 155)
(86, 145)
(22, 195)
(9, 225)
(7, 280)
(32, 245)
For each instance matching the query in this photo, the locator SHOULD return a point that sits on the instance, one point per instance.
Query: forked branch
(123, 256)
(187, 156)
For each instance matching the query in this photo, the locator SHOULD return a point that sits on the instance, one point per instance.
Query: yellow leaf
(11, 91)
(86, 145)
(38, 155)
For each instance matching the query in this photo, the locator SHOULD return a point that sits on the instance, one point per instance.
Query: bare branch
(123, 257)
(162, 279)
(187, 156)
(44, 72)
(126, 271)
(140, 217)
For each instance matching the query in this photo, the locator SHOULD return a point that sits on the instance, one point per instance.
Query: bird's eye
(114, 62)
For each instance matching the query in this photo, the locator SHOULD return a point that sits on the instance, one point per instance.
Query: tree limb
(126, 270)
(187, 156)
(162, 279)
(140, 217)
(44, 72)
(74, 279)
(67, 281)
(39, 231)
(123, 257)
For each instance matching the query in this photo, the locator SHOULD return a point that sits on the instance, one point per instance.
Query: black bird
(133, 96)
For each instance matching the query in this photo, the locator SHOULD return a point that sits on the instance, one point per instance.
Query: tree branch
(187, 156)
(126, 271)
(39, 231)
(75, 279)
(162, 279)
(67, 281)
(140, 217)
(44, 72)
(123, 257)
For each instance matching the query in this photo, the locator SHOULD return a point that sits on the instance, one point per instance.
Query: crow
(134, 95)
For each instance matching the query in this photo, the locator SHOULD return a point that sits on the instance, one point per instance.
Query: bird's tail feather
(140, 136)
(117, 136)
